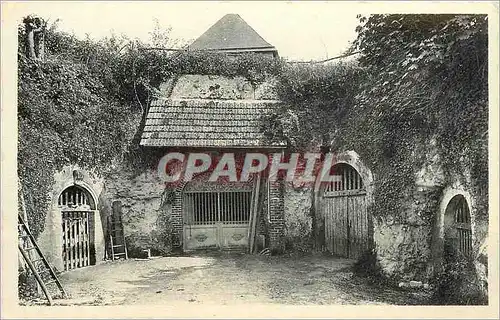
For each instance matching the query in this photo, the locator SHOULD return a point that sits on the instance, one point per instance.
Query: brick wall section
(276, 216)
(176, 216)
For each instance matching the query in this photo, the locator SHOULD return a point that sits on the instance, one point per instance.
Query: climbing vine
(420, 83)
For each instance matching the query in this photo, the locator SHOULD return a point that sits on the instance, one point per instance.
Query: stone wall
(298, 222)
(409, 244)
(146, 217)
(402, 239)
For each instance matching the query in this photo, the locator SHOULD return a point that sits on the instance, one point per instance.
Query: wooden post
(254, 213)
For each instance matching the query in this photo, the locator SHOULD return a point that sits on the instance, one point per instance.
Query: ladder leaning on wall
(38, 264)
(117, 244)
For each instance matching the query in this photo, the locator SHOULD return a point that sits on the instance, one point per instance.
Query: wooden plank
(328, 225)
(73, 238)
(325, 205)
(329, 215)
(77, 238)
(77, 227)
(71, 241)
(68, 225)
(334, 225)
(83, 226)
(68, 242)
(359, 234)
(337, 225)
(353, 230)
(85, 238)
(254, 212)
(65, 241)
(331, 225)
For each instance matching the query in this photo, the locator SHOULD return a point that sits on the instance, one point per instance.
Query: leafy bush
(457, 283)
(27, 286)
(368, 267)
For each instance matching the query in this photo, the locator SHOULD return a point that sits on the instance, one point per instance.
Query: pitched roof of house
(206, 123)
(194, 114)
(231, 32)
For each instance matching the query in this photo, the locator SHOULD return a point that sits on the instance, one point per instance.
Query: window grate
(226, 207)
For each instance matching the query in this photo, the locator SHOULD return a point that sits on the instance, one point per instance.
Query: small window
(74, 196)
(350, 180)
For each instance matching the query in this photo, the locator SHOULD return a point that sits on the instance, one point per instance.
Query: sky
(299, 30)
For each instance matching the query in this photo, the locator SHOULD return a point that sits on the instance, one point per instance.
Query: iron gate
(216, 219)
(463, 227)
(346, 219)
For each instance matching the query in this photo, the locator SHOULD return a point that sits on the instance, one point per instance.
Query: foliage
(420, 79)
(27, 286)
(457, 283)
(69, 112)
(368, 267)
(426, 78)
(318, 95)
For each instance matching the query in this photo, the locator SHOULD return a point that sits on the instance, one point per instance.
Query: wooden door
(343, 204)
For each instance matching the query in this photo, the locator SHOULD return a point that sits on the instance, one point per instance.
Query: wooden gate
(216, 219)
(76, 239)
(77, 225)
(343, 204)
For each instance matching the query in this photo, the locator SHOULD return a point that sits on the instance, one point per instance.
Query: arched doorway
(78, 227)
(343, 204)
(457, 226)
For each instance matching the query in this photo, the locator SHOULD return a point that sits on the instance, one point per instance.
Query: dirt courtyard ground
(228, 278)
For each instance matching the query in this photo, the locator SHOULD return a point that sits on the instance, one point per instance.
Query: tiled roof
(231, 32)
(206, 123)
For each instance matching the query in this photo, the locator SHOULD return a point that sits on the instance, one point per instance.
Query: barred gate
(463, 227)
(77, 216)
(216, 219)
(343, 205)
(76, 239)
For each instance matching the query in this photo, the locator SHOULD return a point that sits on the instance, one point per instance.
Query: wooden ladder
(118, 246)
(38, 264)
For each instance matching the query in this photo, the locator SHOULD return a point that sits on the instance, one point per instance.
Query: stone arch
(449, 196)
(51, 240)
(85, 187)
(351, 158)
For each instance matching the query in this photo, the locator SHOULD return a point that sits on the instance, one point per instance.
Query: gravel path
(226, 279)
